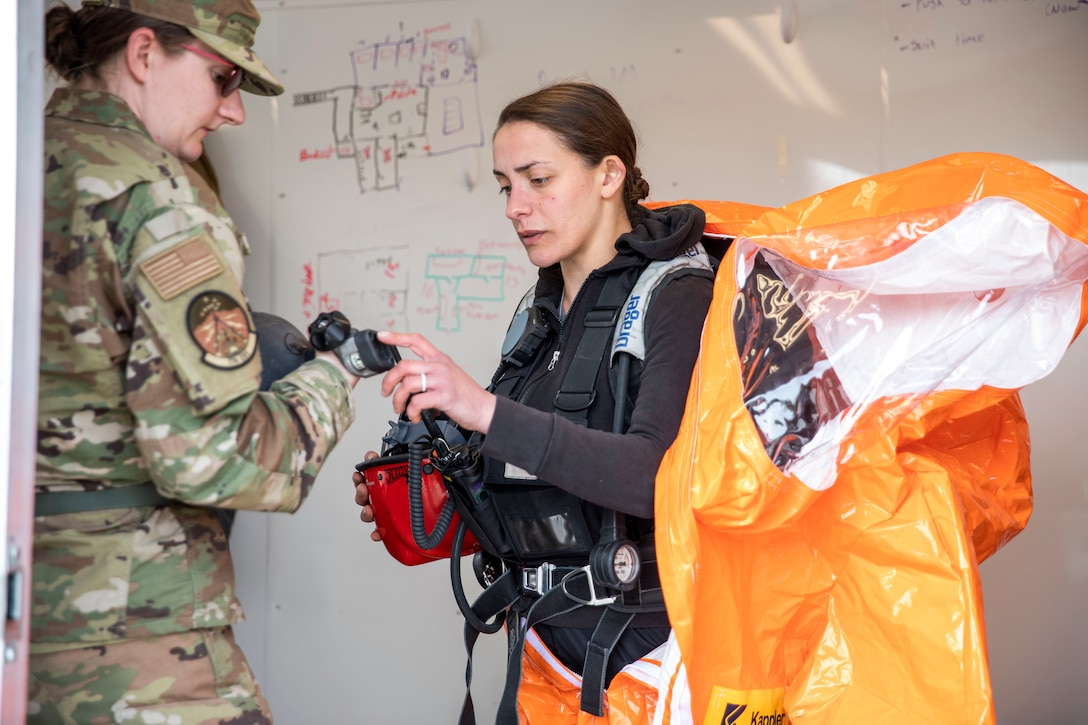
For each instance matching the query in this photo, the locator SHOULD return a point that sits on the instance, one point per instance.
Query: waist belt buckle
(539, 579)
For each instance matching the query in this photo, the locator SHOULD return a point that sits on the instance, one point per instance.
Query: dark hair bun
(638, 187)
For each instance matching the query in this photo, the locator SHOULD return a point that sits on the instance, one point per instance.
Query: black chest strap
(579, 387)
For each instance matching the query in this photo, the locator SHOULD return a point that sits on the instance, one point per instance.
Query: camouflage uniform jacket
(149, 372)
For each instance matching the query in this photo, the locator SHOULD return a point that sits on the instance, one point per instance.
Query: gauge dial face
(625, 563)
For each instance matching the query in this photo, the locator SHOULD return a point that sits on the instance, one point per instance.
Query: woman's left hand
(435, 382)
(362, 497)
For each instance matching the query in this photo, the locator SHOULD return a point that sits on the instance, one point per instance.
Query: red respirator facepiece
(389, 480)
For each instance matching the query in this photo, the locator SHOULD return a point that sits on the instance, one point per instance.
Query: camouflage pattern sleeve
(208, 436)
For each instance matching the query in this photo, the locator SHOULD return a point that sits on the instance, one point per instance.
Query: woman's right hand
(435, 382)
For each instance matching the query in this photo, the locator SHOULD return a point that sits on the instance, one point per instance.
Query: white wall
(337, 630)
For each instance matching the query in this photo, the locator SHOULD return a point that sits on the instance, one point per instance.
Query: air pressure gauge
(617, 564)
(625, 564)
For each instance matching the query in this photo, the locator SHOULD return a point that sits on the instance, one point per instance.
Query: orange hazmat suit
(854, 445)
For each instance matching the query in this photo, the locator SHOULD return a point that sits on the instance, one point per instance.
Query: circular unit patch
(221, 328)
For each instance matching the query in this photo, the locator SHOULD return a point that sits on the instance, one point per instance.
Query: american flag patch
(181, 267)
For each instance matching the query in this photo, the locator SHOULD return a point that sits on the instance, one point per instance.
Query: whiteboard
(367, 186)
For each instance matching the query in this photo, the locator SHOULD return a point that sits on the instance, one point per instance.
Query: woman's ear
(138, 52)
(614, 174)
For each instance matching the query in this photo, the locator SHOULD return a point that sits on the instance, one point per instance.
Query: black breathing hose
(417, 451)
(471, 617)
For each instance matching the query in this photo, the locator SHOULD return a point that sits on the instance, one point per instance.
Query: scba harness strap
(534, 595)
(531, 595)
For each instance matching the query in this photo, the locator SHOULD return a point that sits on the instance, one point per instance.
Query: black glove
(282, 347)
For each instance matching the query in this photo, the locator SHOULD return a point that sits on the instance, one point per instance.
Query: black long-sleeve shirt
(612, 470)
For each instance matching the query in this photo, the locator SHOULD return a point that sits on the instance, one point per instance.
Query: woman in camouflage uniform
(150, 412)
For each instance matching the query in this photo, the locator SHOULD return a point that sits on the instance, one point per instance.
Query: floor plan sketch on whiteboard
(413, 97)
(370, 286)
(461, 279)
